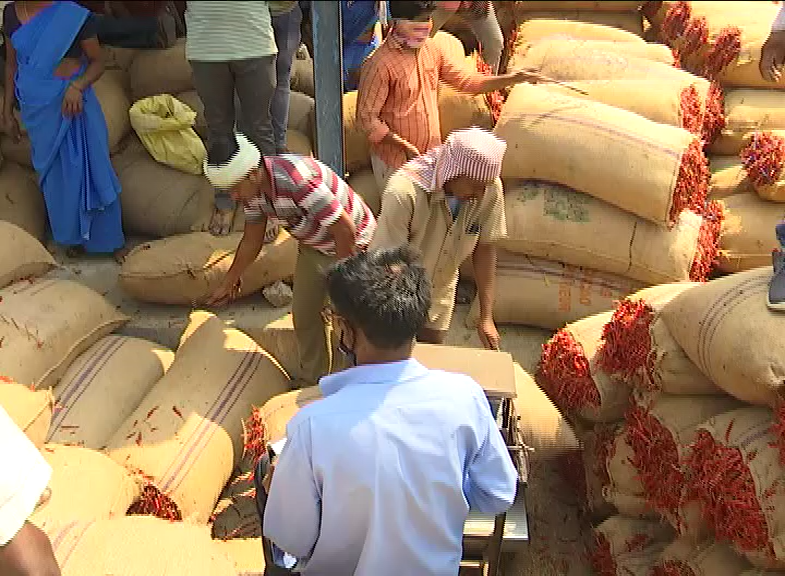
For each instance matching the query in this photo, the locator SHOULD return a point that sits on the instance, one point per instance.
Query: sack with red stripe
(185, 437)
(628, 546)
(116, 371)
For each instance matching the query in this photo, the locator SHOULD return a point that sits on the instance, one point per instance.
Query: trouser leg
(489, 35)
(310, 297)
(287, 38)
(255, 83)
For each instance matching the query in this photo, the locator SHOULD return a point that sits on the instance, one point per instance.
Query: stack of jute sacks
(722, 41)
(605, 189)
(129, 428)
(679, 396)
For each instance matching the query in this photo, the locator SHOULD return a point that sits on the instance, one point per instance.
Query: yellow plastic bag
(165, 127)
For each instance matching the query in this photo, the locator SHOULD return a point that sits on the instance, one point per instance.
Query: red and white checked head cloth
(473, 152)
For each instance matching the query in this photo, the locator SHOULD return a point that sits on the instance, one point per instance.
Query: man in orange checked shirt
(397, 104)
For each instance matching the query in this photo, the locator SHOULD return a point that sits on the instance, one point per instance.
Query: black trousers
(127, 32)
(270, 569)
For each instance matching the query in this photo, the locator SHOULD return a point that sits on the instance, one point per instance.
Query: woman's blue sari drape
(70, 154)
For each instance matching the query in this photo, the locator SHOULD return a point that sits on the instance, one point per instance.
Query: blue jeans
(287, 37)
(781, 234)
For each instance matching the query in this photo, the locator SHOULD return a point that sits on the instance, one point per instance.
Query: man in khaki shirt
(448, 204)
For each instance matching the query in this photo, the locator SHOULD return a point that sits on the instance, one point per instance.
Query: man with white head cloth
(315, 206)
(448, 204)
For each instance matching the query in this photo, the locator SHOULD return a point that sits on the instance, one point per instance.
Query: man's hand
(489, 335)
(226, 293)
(528, 75)
(772, 56)
(409, 148)
(10, 126)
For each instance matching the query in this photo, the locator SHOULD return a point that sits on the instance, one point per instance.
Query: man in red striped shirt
(318, 208)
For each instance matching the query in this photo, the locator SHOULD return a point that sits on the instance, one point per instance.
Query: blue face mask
(455, 206)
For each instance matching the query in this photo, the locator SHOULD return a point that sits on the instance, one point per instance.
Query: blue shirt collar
(390, 373)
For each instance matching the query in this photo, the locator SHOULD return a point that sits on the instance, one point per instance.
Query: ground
(558, 534)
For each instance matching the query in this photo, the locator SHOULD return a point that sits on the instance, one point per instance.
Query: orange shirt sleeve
(457, 76)
(372, 94)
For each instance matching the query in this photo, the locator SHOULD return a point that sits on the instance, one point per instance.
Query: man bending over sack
(378, 476)
(448, 204)
(771, 63)
(24, 549)
(318, 208)
(397, 101)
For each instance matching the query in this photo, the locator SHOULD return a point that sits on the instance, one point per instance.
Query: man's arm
(292, 516)
(456, 75)
(247, 251)
(491, 481)
(29, 553)
(773, 50)
(395, 218)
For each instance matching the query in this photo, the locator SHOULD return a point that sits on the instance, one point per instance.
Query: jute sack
(21, 255)
(30, 410)
(648, 51)
(364, 184)
(21, 202)
(236, 515)
(539, 26)
(748, 111)
(593, 477)
(628, 546)
(535, 292)
(165, 71)
(186, 269)
(748, 235)
(302, 76)
(581, 143)
(137, 546)
(86, 485)
(116, 371)
(116, 58)
(708, 558)
(735, 460)
(659, 435)
(45, 324)
(728, 177)
(524, 7)
(191, 99)
(638, 348)
(186, 435)
(357, 151)
(624, 489)
(111, 94)
(763, 158)
(246, 553)
(726, 329)
(299, 143)
(694, 107)
(302, 114)
(542, 426)
(550, 221)
(569, 373)
(612, 23)
(157, 200)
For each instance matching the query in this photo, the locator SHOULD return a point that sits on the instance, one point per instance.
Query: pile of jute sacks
(676, 391)
(153, 451)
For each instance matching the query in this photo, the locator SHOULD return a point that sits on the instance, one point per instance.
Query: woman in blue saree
(52, 59)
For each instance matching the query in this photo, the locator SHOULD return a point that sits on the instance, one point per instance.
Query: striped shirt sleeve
(456, 74)
(313, 194)
(371, 96)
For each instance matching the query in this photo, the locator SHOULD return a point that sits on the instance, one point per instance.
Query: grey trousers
(487, 31)
(254, 81)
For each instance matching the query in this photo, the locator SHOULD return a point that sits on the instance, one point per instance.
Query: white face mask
(411, 33)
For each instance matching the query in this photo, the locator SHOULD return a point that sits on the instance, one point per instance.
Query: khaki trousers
(310, 298)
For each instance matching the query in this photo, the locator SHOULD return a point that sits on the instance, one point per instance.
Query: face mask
(412, 34)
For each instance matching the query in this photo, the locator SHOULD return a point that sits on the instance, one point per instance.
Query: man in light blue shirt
(379, 475)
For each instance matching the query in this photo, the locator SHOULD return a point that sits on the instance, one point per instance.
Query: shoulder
(402, 187)
(379, 59)
(10, 19)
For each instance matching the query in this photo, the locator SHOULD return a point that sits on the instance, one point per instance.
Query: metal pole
(328, 80)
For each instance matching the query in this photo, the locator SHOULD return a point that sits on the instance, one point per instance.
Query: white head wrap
(224, 176)
(472, 152)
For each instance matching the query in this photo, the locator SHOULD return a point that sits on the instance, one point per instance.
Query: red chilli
(763, 158)
(564, 374)
(778, 431)
(672, 568)
(708, 246)
(726, 48)
(176, 411)
(675, 21)
(626, 347)
(153, 502)
(600, 557)
(151, 412)
(692, 183)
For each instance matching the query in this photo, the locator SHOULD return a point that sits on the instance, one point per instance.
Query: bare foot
(221, 223)
(120, 254)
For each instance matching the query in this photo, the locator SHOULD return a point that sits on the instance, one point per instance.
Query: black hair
(384, 293)
(411, 10)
